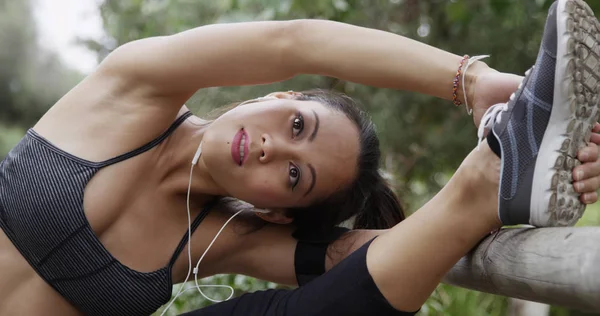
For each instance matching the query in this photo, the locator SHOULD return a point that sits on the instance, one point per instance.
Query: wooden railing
(557, 266)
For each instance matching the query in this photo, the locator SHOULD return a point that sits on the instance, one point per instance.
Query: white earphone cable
(189, 247)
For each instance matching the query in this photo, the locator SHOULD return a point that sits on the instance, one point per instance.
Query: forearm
(253, 53)
(376, 58)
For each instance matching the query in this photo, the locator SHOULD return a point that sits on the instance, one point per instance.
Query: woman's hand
(586, 177)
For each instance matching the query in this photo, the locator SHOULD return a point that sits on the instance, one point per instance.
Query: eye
(294, 174)
(297, 125)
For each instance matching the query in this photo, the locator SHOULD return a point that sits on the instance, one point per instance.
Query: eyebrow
(313, 179)
(314, 133)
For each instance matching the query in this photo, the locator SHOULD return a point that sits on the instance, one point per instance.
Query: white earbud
(197, 154)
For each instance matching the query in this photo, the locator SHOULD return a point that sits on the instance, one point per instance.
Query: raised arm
(264, 52)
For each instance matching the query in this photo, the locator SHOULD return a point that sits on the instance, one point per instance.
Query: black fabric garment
(311, 251)
(346, 290)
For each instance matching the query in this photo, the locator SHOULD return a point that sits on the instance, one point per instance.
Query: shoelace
(493, 115)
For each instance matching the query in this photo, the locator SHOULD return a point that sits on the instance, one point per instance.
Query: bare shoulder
(105, 115)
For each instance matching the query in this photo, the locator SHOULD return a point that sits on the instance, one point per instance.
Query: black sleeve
(346, 290)
(309, 257)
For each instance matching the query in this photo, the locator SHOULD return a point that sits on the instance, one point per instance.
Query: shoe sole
(574, 111)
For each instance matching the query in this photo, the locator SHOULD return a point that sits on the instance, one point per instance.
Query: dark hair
(369, 198)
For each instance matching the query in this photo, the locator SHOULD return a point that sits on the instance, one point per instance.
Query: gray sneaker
(547, 120)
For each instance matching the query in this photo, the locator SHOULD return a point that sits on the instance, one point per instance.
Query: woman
(104, 244)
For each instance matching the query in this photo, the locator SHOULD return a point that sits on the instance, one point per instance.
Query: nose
(274, 148)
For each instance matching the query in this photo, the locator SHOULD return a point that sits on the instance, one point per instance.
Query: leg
(408, 262)
(537, 133)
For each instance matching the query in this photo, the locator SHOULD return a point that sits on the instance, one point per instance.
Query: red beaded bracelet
(456, 80)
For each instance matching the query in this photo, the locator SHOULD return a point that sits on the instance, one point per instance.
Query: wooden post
(518, 307)
(557, 266)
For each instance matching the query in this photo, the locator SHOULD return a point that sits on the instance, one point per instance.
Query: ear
(276, 216)
(284, 95)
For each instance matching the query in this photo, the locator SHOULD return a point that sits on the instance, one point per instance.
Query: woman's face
(281, 153)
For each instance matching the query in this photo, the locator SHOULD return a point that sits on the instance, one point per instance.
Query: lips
(239, 147)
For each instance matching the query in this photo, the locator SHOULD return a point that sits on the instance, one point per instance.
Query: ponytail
(373, 204)
(382, 209)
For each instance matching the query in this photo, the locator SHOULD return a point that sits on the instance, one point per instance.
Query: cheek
(265, 190)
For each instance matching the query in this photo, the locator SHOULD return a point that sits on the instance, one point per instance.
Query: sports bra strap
(149, 145)
(199, 218)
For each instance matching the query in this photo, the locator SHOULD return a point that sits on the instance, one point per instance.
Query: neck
(177, 161)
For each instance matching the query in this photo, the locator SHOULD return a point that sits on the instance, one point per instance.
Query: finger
(587, 170)
(589, 198)
(595, 138)
(588, 153)
(596, 128)
(587, 185)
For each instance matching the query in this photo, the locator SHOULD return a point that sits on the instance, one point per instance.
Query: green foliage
(423, 138)
(453, 301)
(9, 136)
(191, 299)
(31, 79)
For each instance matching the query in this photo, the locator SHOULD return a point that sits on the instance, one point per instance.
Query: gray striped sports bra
(41, 212)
